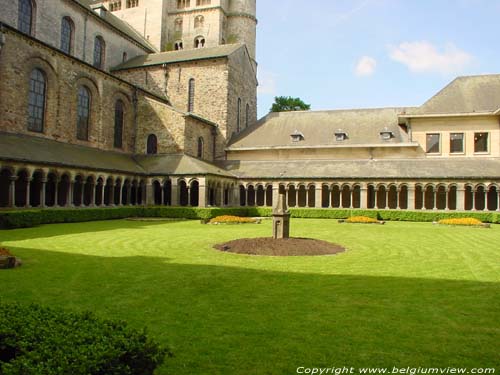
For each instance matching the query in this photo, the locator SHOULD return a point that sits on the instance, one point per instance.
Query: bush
(461, 221)
(361, 220)
(229, 219)
(40, 341)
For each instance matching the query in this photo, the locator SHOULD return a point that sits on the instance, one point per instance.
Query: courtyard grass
(403, 294)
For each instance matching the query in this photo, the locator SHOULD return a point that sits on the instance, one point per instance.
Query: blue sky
(372, 53)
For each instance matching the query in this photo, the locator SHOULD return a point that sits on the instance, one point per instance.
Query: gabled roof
(362, 126)
(117, 23)
(410, 169)
(180, 56)
(468, 94)
(178, 164)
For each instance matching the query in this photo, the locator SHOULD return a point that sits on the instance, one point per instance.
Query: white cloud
(267, 82)
(366, 66)
(424, 57)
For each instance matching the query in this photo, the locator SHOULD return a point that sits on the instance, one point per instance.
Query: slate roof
(118, 24)
(469, 94)
(179, 56)
(468, 168)
(362, 126)
(22, 148)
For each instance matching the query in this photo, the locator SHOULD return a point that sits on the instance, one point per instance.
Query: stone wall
(87, 25)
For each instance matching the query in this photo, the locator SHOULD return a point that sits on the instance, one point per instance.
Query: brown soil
(5, 252)
(287, 247)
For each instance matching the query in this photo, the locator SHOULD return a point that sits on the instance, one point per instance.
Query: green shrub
(43, 341)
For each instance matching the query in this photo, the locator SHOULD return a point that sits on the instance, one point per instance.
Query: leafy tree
(287, 104)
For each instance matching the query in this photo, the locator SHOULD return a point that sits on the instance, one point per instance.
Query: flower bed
(465, 221)
(7, 260)
(228, 219)
(361, 220)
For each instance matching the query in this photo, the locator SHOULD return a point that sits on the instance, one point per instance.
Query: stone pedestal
(281, 219)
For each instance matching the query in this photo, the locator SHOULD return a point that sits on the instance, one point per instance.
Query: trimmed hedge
(30, 218)
(37, 340)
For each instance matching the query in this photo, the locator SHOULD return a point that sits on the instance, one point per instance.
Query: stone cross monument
(281, 219)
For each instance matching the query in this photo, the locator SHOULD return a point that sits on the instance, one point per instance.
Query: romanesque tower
(241, 24)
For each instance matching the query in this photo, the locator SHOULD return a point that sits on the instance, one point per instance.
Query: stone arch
(36, 198)
(311, 195)
(336, 196)
(194, 193)
(469, 197)
(480, 197)
(269, 195)
(325, 196)
(157, 188)
(302, 196)
(403, 197)
(356, 196)
(492, 198)
(371, 196)
(6, 175)
(88, 191)
(243, 196)
(51, 189)
(21, 186)
(381, 196)
(292, 195)
(183, 193)
(345, 196)
(251, 195)
(419, 197)
(167, 192)
(117, 191)
(441, 197)
(429, 197)
(260, 195)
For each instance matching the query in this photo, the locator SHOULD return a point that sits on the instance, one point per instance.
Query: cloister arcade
(24, 186)
(416, 195)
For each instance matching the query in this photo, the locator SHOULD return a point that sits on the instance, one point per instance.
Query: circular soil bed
(286, 247)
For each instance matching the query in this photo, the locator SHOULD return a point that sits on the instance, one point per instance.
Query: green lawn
(404, 294)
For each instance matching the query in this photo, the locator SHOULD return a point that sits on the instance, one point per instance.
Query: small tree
(287, 104)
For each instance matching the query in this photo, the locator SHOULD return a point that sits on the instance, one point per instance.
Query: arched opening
(346, 196)
(492, 198)
(26, 16)
(199, 42)
(83, 111)
(88, 191)
(183, 193)
(469, 198)
(261, 196)
(419, 197)
(371, 196)
(99, 192)
(441, 198)
(5, 185)
(452, 197)
(67, 32)
(336, 201)
(200, 151)
(199, 22)
(36, 189)
(125, 193)
(167, 193)
(157, 193)
(382, 197)
(152, 145)
(311, 196)
(480, 198)
(325, 196)
(194, 194)
(140, 193)
(251, 196)
(269, 196)
(292, 196)
(133, 193)
(302, 196)
(356, 197)
(109, 192)
(243, 196)
(393, 197)
(63, 189)
(403, 197)
(191, 92)
(429, 199)
(50, 190)
(119, 114)
(22, 199)
(99, 52)
(117, 192)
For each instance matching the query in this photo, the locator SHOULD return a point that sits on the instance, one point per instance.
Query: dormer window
(297, 136)
(341, 135)
(386, 135)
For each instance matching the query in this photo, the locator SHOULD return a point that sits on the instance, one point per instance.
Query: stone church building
(153, 102)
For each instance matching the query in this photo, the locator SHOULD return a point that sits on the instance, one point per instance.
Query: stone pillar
(149, 192)
(276, 194)
(473, 199)
(411, 196)
(12, 191)
(318, 197)
(175, 192)
(375, 192)
(460, 197)
(129, 194)
(435, 193)
(351, 197)
(498, 201)
(363, 196)
(202, 193)
(43, 192)
(447, 198)
(28, 191)
(93, 192)
(112, 194)
(71, 193)
(222, 195)
(103, 193)
(485, 200)
(82, 194)
(56, 191)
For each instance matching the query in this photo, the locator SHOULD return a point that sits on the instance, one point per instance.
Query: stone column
(318, 197)
(363, 196)
(435, 194)
(447, 198)
(43, 192)
(12, 191)
(112, 194)
(386, 205)
(103, 193)
(71, 192)
(149, 191)
(93, 191)
(375, 192)
(175, 192)
(297, 196)
(129, 194)
(28, 191)
(411, 196)
(56, 191)
(485, 200)
(473, 199)
(82, 194)
(120, 194)
(351, 197)
(460, 197)
(202, 193)
(498, 201)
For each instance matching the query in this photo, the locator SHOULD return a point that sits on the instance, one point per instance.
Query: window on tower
(199, 21)
(181, 4)
(132, 3)
(202, 2)
(178, 45)
(199, 42)
(115, 5)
